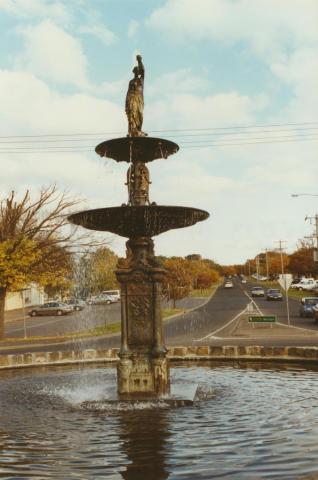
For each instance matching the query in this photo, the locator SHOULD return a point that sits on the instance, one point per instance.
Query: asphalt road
(90, 317)
(189, 328)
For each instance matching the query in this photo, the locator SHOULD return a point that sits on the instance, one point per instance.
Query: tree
(228, 270)
(206, 278)
(178, 280)
(96, 272)
(301, 262)
(34, 243)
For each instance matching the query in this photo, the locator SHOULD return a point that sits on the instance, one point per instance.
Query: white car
(228, 284)
(305, 284)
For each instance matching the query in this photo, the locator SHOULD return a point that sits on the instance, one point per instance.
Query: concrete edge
(175, 354)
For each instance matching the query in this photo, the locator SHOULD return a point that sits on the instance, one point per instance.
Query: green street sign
(262, 318)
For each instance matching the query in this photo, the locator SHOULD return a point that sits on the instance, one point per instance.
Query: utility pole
(314, 220)
(267, 266)
(280, 242)
(257, 266)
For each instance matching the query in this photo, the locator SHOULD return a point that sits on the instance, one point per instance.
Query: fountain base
(141, 376)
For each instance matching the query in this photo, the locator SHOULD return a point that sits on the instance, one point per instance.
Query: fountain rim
(139, 211)
(147, 149)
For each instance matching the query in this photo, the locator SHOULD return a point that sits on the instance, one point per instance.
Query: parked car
(306, 306)
(113, 293)
(305, 284)
(315, 313)
(274, 294)
(228, 284)
(76, 303)
(51, 308)
(258, 292)
(100, 300)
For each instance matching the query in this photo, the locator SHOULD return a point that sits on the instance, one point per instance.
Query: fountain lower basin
(138, 221)
(255, 422)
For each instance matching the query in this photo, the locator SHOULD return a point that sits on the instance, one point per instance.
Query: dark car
(315, 313)
(51, 308)
(306, 306)
(274, 294)
(76, 303)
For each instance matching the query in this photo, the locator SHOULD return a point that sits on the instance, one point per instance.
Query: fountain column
(143, 367)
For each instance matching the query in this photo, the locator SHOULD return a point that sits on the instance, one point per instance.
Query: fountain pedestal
(143, 367)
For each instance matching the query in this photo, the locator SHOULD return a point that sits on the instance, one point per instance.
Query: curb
(175, 354)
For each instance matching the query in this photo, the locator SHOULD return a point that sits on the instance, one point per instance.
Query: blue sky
(64, 69)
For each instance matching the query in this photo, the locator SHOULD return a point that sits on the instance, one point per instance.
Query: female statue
(135, 101)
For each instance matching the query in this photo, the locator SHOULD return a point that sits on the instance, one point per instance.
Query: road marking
(210, 335)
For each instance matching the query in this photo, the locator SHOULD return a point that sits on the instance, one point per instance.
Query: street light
(304, 194)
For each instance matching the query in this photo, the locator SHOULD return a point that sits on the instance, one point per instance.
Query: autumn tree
(203, 275)
(178, 280)
(301, 262)
(34, 241)
(206, 278)
(228, 270)
(96, 271)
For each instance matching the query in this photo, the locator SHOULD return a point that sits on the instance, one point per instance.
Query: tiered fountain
(143, 368)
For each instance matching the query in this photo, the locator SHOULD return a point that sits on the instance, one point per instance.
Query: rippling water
(248, 423)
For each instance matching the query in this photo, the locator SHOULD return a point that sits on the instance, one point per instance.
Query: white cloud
(53, 54)
(106, 36)
(179, 81)
(192, 111)
(29, 105)
(35, 8)
(133, 28)
(300, 72)
(269, 27)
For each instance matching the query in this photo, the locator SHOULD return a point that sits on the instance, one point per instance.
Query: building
(31, 295)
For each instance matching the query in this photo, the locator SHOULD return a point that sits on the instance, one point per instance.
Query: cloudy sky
(234, 82)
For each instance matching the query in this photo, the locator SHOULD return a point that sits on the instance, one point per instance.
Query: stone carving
(138, 184)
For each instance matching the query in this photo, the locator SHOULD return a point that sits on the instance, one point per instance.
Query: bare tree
(35, 242)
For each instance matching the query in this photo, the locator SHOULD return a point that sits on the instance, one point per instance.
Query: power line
(303, 135)
(248, 143)
(253, 138)
(85, 149)
(291, 131)
(166, 130)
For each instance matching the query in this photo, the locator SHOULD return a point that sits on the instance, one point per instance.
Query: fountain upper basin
(138, 221)
(130, 149)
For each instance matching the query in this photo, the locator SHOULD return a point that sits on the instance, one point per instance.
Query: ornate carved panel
(140, 313)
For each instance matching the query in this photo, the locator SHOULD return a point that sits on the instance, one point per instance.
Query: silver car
(101, 300)
(258, 292)
(51, 308)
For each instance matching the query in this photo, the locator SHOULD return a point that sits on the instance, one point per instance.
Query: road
(186, 329)
(92, 316)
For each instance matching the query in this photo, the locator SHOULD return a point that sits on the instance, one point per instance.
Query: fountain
(143, 369)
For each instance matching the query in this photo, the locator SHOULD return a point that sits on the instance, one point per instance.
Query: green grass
(206, 292)
(168, 312)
